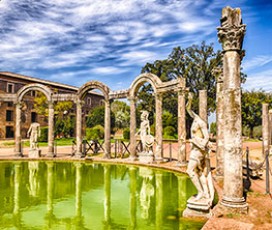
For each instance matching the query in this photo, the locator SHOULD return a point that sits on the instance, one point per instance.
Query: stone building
(10, 83)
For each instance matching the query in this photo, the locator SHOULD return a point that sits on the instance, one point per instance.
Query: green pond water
(60, 195)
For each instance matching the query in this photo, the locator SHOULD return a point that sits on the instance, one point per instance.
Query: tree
(195, 64)
(252, 108)
(64, 122)
(121, 113)
(96, 117)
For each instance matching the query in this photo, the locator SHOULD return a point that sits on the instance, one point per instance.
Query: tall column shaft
(203, 111)
(132, 128)
(107, 128)
(265, 129)
(219, 122)
(181, 128)
(78, 129)
(50, 129)
(231, 35)
(159, 148)
(18, 137)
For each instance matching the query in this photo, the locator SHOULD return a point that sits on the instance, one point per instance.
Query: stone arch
(83, 90)
(19, 97)
(150, 78)
(38, 87)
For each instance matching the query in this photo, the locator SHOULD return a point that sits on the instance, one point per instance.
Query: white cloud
(257, 61)
(260, 80)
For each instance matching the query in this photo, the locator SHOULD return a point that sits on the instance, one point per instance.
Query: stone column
(218, 73)
(231, 34)
(159, 141)
(203, 111)
(181, 128)
(50, 129)
(265, 129)
(78, 153)
(107, 128)
(18, 137)
(133, 140)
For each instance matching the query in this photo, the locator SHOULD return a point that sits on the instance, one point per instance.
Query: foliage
(95, 133)
(169, 120)
(195, 64)
(126, 133)
(169, 132)
(257, 132)
(252, 108)
(64, 122)
(97, 117)
(121, 114)
(213, 128)
(44, 134)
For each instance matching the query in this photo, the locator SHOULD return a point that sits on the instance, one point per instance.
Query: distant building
(11, 83)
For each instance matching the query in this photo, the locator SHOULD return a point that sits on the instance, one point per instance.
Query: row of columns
(159, 129)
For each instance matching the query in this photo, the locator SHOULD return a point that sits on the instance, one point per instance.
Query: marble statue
(33, 133)
(199, 146)
(146, 138)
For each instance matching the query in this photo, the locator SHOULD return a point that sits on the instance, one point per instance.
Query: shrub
(169, 132)
(257, 132)
(95, 133)
(44, 134)
(126, 133)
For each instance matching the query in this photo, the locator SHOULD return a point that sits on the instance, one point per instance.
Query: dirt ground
(260, 204)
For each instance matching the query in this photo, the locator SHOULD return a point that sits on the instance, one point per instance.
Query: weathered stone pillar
(78, 153)
(133, 142)
(18, 137)
(231, 34)
(181, 128)
(50, 129)
(265, 129)
(218, 73)
(107, 128)
(159, 141)
(203, 111)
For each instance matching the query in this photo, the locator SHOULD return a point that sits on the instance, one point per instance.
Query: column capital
(232, 31)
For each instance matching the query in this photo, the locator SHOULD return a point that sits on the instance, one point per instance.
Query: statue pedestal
(34, 153)
(199, 208)
(146, 157)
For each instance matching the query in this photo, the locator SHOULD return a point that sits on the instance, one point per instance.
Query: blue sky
(73, 42)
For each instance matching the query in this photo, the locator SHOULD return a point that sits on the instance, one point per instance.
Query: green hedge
(95, 133)
(44, 134)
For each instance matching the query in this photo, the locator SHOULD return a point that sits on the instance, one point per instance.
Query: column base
(34, 153)
(50, 154)
(18, 154)
(199, 208)
(234, 205)
(106, 156)
(78, 155)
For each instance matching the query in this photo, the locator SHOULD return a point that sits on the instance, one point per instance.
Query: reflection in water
(147, 191)
(33, 167)
(50, 195)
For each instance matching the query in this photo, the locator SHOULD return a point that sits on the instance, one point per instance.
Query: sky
(73, 42)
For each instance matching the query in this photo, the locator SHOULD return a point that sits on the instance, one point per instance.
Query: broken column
(231, 35)
(265, 129)
(203, 112)
(218, 74)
